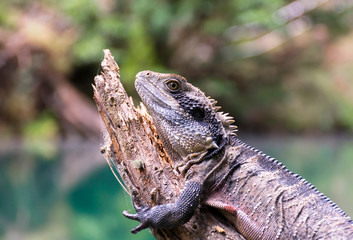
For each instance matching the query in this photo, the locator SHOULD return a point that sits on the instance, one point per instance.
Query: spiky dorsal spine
(226, 120)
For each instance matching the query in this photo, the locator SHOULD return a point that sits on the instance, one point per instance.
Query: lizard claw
(135, 200)
(130, 215)
(141, 226)
(139, 215)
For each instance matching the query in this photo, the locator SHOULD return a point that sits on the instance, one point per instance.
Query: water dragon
(256, 193)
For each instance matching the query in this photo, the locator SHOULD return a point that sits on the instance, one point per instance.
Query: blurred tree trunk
(133, 148)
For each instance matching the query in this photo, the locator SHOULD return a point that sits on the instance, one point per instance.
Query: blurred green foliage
(278, 65)
(45, 127)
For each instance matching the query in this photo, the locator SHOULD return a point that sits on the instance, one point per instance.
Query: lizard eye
(173, 85)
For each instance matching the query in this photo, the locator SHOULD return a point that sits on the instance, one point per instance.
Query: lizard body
(256, 193)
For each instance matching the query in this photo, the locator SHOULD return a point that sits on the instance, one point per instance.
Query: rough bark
(132, 147)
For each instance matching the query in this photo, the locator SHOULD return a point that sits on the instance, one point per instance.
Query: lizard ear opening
(198, 113)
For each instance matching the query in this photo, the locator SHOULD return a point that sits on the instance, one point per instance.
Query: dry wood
(132, 147)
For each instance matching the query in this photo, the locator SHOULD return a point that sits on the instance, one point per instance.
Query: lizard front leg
(167, 215)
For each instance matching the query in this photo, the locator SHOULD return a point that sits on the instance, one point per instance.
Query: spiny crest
(226, 120)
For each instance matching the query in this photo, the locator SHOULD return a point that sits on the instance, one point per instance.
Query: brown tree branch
(132, 147)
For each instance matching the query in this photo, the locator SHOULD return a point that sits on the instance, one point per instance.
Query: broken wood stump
(132, 147)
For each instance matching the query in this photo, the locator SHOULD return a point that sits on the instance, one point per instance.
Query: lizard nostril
(144, 74)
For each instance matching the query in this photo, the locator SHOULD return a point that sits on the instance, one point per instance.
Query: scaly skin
(266, 201)
(257, 194)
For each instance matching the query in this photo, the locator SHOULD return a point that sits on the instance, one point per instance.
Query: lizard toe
(130, 215)
(140, 227)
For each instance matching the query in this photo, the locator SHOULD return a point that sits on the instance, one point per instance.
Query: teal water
(66, 191)
(61, 191)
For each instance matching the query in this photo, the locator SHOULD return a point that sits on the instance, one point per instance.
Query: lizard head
(186, 120)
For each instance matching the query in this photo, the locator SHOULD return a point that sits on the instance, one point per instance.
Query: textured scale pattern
(186, 124)
(256, 193)
(180, 211)
(168, 215)
(292, 209)
(203, 115)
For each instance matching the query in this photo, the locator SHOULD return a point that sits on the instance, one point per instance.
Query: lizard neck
(222, 142)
